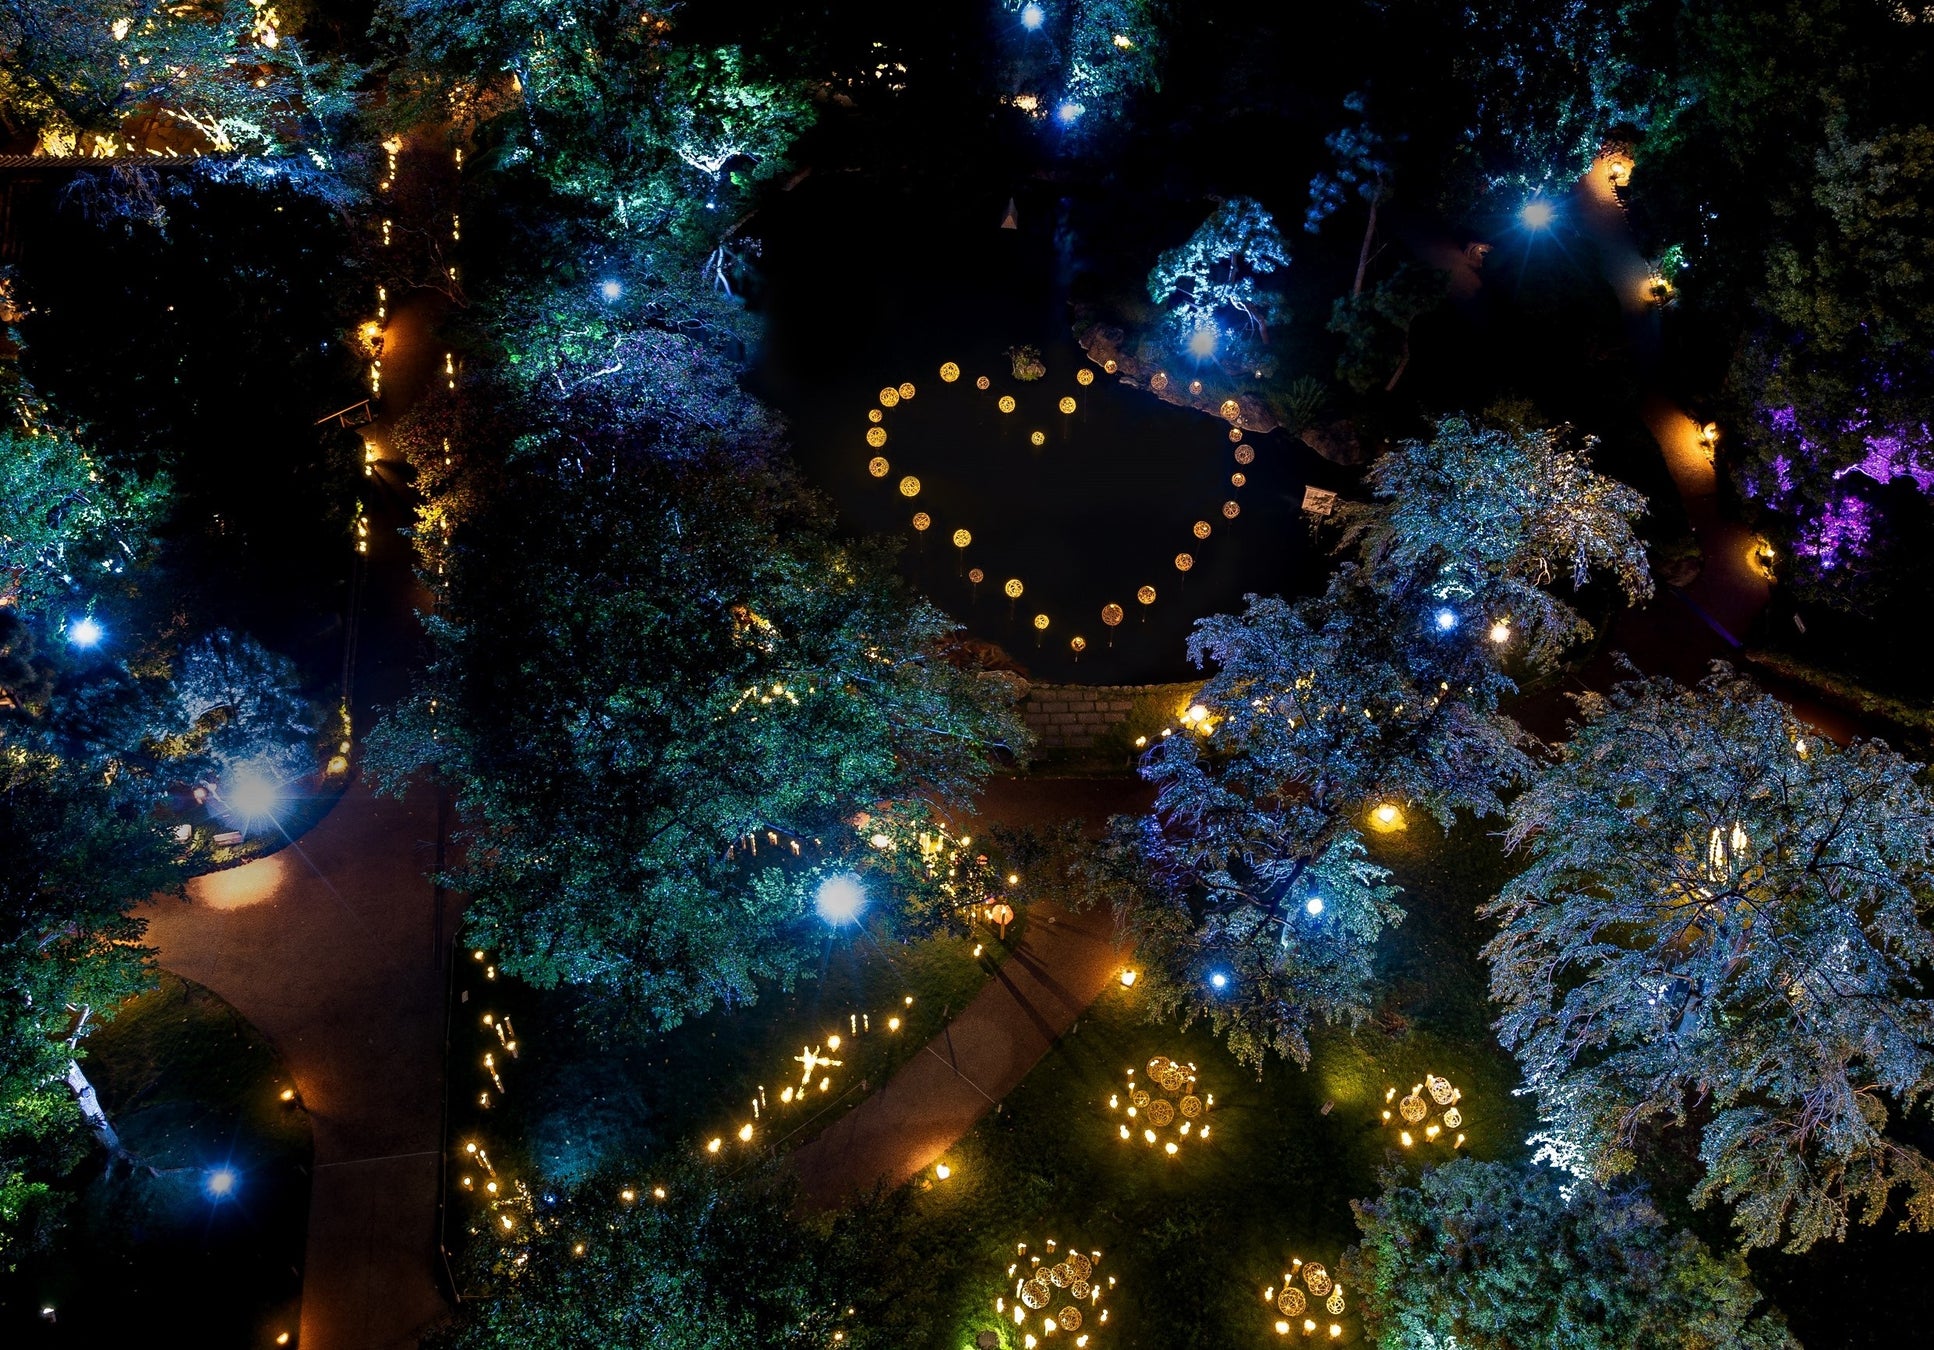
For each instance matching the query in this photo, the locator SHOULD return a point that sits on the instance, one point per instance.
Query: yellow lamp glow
(1084, 376)
(1066, 405)
(1006, 404)
(949, 372)
(1183, 562)
(909, 486)
(1013, 588)
(962, 538)
(877, 466)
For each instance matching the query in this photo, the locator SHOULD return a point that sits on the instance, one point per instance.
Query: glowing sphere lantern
(922, 521)
(1183, 562)
(909, 486)
(876, 436)
(1084, 376)
(962, 538)
(906, 390)
(1245, 454)
(1200, 529)
(877, 466)
(1146, 595)
(1066, 405)
(1111, 614)
(1040, 623)
(949, 372)
(1013, 588)
(1238, 479)
(1078, 643)
(982, 383)
(1230, 510)
(889, 397)
(1231, 409)
(1006, 404)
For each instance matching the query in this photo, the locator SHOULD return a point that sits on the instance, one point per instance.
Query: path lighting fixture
(942, 1171)
(1202, 341)
(840, 899)
(251, 792)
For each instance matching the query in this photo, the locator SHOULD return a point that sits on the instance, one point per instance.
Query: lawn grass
(1194, 1241)
(191, 1086)
(572, 1104)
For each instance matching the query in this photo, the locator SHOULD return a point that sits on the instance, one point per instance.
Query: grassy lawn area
(572, 1101)
(1194, 1240)
(194, 1090)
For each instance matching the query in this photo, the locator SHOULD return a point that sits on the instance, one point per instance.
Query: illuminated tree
(663, 691)
(717, 1262)
(1720, 926)
(1494, 1256)
(1222, 270)
(239, 705)
(1481, 522)
(1360, 164)
(1116, 50)
(1252, 866)
(219, 76)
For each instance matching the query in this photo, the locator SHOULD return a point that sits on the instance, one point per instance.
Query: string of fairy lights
(1111, 614)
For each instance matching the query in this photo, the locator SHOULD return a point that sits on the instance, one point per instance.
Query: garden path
(1056, 968)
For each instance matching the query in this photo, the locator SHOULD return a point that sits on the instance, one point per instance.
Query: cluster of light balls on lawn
(1051, 1296)
(1306, 1290)
(1112, 614)
(817, 1060)
(1412, 1115)
(1165, 1109)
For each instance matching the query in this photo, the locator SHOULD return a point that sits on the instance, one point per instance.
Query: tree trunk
(1402, 365)
(97, 1121)
(1363, 256)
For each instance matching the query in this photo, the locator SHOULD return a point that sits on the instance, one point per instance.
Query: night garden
(1087, 673)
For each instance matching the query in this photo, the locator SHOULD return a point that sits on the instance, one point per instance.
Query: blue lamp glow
(1313, 906)
(840, 899)
(85, 631)
(1033, 16)
(1537, 214)
(251, 792)
(1202, 341)
(1219, 980)
(611, 289)
(1445, 619)
(220, 1182)
(1068, 112)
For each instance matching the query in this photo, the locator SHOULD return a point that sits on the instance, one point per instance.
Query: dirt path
(1054, 972)
(332, 948)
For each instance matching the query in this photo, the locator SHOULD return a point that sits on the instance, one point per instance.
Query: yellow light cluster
(1306, 1289)
(1411, 1116)
(1059, 1293)
(816, 1061)
(1164, 1110)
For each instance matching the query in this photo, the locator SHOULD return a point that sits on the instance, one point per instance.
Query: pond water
(871, 289)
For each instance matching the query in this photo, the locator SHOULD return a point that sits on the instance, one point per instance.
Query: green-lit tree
(1495, 1256)
(1220, 281)
(1247, 891)
(715, 1263)
(1481, 522)
(663, 692)
(1720, 926)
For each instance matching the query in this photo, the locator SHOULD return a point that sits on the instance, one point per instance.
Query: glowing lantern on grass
(1066, 405)
(1110, 366)
(1006, 404)
(1158, 381)
(876, 437)
(909, 486)
(877, 466)
(1200, 529)
(949, 372)
(1231, 409)
(1084, 376)
(1245, 454)
(889, 397)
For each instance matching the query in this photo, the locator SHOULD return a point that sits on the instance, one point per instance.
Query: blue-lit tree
(1360, 166)
(1721, 928)
(1221, 280)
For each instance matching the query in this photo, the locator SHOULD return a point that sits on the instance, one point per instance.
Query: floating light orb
(1079, 643)
(1084, 376)
(1537, 214)
(1068, 112)
(874, 415)
(1111, 614)
(962, 538)
(1202, 341)
(1230, 510)
(1006, 403)
(1387, 818)
(877, 466)
(1032, 16)
(1231, 409)
(876, 436)
(1040, 622)
(251, 792)
(1066, 405)
(1245, 454)
(1219, 980)
(909, 486)
(1128, 977)
(1238, 479)
(942, 1171)
(1013, 588)
(889, 397)
(85, 631)
(1037, 438)
(1200, 529)
(922, 521)
(840, 898)
(982, 383)
(1146, 595)
(906, 390)
(949, 372)
(1183, 562)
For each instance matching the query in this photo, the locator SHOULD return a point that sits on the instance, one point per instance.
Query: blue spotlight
(85, 631)
(1068, 112)
(1202, 341)
(1313, 906)
(220, 1183)
(840, 899)
(1033, 16)
(611, 289)
(1445, 619)
(1537, 214)
(1219, 981)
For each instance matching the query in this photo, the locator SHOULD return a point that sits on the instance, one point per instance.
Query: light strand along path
(1060, 965)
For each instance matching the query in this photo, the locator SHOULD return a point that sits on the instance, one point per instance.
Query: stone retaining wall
(1077, 716)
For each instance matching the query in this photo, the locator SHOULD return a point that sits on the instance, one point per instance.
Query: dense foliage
(1493, 1256)
(1721, 926)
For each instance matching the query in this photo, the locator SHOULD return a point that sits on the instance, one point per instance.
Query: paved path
(1057, 969)
(332, 948)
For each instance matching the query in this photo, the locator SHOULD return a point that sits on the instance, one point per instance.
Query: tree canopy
(1721, 926)
(1220, 280)
(1495, 1256)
